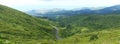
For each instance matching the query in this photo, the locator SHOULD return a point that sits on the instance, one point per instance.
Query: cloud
(59, 2)
(19, 4)
(46, 0)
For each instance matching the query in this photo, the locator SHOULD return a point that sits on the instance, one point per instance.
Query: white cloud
(58, 3)
(18, 2)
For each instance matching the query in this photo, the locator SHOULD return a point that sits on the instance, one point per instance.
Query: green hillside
(90, 29)
(18, 26)
(91, 21)
(106, 36)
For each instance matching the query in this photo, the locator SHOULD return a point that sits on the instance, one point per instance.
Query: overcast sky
(25, 5)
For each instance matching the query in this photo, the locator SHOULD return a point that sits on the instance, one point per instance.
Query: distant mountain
(44, 12)
(53, 13)
(57, 12)
(108, 10)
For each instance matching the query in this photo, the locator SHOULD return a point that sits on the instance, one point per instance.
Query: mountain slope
(90, 29)
(16, 25)
(104, 21)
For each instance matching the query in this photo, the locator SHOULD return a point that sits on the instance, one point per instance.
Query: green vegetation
(92, 29)
(92, 21)
(17, 27)
(105, 36)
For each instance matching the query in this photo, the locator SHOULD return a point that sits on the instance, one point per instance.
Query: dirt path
(56, 32)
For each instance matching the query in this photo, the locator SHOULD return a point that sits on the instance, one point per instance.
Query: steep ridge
(16, 25)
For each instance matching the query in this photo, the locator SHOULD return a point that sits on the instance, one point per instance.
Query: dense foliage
(92, 29)
(89, 22)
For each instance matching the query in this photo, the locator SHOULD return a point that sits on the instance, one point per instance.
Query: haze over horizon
(25, 5)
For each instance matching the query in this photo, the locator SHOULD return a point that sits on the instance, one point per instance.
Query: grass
(18, 26)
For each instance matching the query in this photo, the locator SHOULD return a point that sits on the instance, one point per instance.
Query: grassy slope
(111, 36)
(91, 29)
(18, 26)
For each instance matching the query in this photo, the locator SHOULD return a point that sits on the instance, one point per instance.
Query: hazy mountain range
(62, 12)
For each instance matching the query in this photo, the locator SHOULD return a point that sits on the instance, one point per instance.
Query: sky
(25, 5)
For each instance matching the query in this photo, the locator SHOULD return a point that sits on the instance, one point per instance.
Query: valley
(17, 27)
